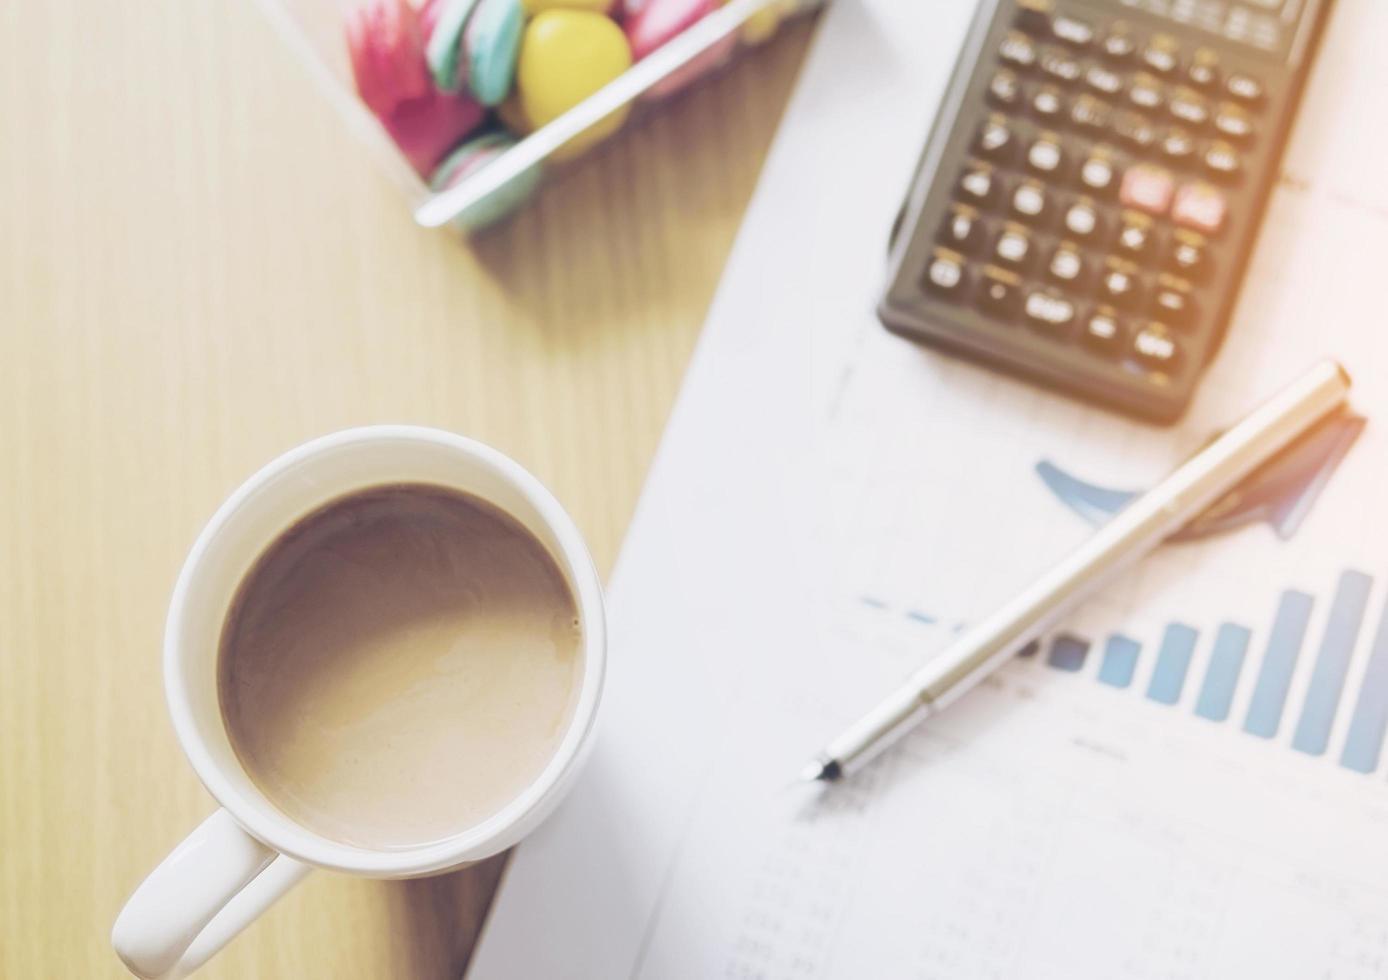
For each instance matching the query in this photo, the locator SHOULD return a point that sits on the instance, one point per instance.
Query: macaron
(471, 157)
(443, 49)
(658, 21)
(661, 21)
(425, 129)
(491, 46)
(386, 49)
(566, 56)
(473, 45)
(533, 7)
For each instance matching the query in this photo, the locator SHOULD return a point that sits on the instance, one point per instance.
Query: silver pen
(1137, 529)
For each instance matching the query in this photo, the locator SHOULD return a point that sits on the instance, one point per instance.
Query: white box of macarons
(466, 103)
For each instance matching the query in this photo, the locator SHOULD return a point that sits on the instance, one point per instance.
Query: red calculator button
(1200, 207)
(1147, 188)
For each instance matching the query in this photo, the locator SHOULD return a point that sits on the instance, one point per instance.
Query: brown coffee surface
(399, 665)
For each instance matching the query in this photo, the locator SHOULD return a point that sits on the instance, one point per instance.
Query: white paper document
(1188, 781)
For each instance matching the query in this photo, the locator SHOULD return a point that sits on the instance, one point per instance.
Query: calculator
(1089, 194)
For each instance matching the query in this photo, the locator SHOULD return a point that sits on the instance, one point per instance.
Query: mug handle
(207, 890)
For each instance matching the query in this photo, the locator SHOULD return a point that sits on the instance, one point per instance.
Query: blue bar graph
(1370, 720)
(1332, 663)
(1284, 644)
(1120, 660)
(1067, 652)
(1233, 646)
(1222, 675)
(1173, 660)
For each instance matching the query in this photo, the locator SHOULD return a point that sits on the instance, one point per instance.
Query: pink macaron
(426, 129)
(657, 22)
(386, 48)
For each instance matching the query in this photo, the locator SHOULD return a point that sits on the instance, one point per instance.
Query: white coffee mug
(248, 853)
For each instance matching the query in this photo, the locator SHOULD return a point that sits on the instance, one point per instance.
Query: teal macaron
(476, 43)
(491, 47)
(443, 51)
(471, 157)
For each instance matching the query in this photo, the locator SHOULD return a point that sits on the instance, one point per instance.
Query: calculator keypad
(1148, 131)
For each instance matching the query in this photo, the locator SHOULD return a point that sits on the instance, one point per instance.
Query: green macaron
(444, 50)
(491, 45)
(471, 157)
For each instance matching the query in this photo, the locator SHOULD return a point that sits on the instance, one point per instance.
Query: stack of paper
(1187, 783)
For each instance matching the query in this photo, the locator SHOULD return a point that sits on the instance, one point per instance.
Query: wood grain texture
(198, 270)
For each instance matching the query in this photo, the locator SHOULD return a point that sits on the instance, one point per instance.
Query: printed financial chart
(1189, 779)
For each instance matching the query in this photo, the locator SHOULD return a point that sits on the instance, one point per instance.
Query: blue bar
(1222, 675)
(1067, 652)
(1120, 660)
(1332, 663)
(1173, 660)
(1365, 739)
(1284, 643)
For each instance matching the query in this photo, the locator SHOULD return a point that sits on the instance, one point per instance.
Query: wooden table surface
(198, 270)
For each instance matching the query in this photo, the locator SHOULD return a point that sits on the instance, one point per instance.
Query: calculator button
(1155, 347)
(1171, 301)
(1119, 284)
(1135, 235)
(1059, 64)
(1188, 254)
(995, 139)
(1102, 79)
(1098, 173)
(1146, 92)
(1005, 89)
(1014, 247)
(945, 273)
(1047, 102)
(1082, 220)
(1119, 43)
(1135, 130)
(1087, 112)
(1199, 207)
(1049, 310)
(962, 229)
(1029, 201)
(1177, 146)
(1233, 123)
(999, 293)
(1103, 332)
(1045, 155)
(1161, 53)
(1067, 266)
(979, 185)
(1018, 49)
(1203, 70)
(1244, 87)
(1147, 188)
(1072, 30)
(1190, 107)
(1222, 160)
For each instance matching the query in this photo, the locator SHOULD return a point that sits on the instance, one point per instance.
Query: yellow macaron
(566, 56)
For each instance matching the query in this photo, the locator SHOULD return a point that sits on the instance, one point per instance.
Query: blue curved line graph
(1280, 493)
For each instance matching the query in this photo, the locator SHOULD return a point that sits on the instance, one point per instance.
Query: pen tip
(822, 770)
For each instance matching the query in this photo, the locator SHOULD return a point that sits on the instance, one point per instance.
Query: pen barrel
(1130, 534)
